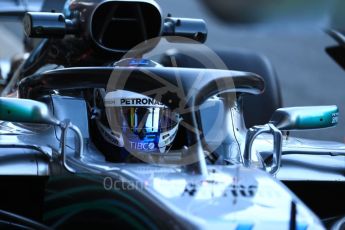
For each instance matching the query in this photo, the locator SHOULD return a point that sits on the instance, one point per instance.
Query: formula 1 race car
(121, 117)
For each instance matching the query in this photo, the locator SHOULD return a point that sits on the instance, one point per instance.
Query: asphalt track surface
(307, 74)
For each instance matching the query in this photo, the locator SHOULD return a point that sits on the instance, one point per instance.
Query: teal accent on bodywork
(24, 111)
(11, 110)
(305, 118)
(323, 117)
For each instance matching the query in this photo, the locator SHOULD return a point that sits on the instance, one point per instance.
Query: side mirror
(305, 118)
(286, 119)
(30, 111)
(25, 111)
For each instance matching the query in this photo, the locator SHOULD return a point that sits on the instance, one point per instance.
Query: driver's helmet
(135, 122)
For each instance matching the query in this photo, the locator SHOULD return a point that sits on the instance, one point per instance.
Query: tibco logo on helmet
(148, 127)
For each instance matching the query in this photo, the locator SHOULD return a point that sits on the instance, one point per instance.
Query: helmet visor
(145, 124)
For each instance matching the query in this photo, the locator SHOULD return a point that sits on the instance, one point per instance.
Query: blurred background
(291, 33)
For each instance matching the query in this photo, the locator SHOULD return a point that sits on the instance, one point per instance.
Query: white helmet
(138, 123)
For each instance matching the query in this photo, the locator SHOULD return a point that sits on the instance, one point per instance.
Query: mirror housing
(25, 111)
(30, 111)
(305, 118)
(47, 25)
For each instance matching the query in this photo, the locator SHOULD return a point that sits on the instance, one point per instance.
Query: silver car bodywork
(227, 198)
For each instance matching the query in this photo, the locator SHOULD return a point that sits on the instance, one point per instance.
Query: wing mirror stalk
(65, 126)
(252, 134)
(34, 112)
(289, 119)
